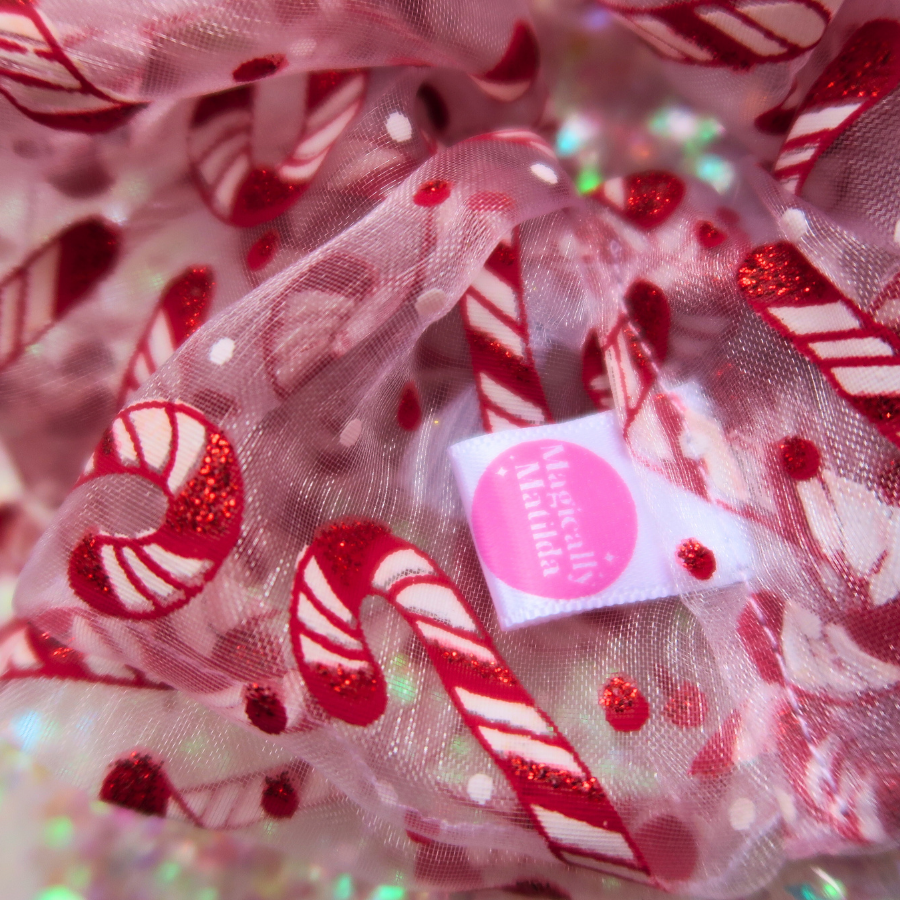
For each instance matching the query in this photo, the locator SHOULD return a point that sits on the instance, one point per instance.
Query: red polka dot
(264, 709)
(262, 250)
(432, 193)
(261, 67)
(800, 458)
(700, 561)
(669, 847)
(626, 707)
(409, 410)
(279, 797)
(710, 236)
(137, 783)
(686, 707)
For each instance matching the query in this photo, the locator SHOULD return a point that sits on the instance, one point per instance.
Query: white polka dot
(480, 788)
(742, 813)
(398, 127)
(794, 224)
(221, 351)
(350, 434)
(545, 173)
(429, 303)
(786, 805)
(897, 231)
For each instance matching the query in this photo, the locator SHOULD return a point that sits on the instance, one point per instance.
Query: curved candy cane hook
(348, 561)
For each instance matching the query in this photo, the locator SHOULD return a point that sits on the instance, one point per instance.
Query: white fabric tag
(561, 523)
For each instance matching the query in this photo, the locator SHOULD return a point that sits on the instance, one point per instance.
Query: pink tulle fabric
(265, 262)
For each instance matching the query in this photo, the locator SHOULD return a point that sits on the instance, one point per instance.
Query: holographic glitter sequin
(209, 501)
(137, 783)
(799, 458)
(432, 193)
(700, 561)
(626, 707)
(264, 709)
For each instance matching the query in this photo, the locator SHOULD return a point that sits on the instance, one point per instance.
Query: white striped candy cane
(42, 82)
(51, 281)
(594, 376)
(517, 69)
(733, 33)
(348, 561)
(181, 310)
(233, 186)
(856, 355)
(865, 71)
(26, 652)
(175, 449)
(493, 312)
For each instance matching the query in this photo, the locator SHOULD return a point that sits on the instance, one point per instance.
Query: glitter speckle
(432, 193)
(709, 236)
(799, 458)
(700, 561)
(137, 783)
(626, 707)
(279, 797)
(264, 709)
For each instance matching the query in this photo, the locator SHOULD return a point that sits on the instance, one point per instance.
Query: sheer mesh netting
(267, 261)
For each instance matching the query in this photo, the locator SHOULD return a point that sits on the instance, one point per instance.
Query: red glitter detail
(345, 546)
(261, 197)
(187, 299)
(652, 197)
(558, 779)
(649, 309)
(686, 707)
(476, 666)
(409, 410)
(799, 458)
(521, 60)
(261, 67)
(279, 797)
(86, 565)
(353, 684)
(209, 501)
(716, 757)
(432, 193)
(709, 236)
(262, 250)
(878, 409)
(868, 66)
(137, 783)
(321, 84)
(264, 709)
(505, 362)
(888, 483)
(778, 270)
(700, 561)
(626, 707)
(87, 252)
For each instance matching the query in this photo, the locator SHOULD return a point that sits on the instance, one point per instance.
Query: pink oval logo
(553, 519)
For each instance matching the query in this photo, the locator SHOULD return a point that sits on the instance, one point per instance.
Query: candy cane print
(858, 357)
(239, 191)
(865, 71)
(139, 782)
(493, 312)
(594, 376)
(51, 281)
(517, 69)
(734, 33)
(40, 80)
(176, 450)
(348, 561)
(180, 312)
(26, 652)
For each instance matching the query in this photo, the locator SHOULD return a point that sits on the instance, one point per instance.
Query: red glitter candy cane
(865, 71)
(42, 82)
(725, 33)
(51, 281)
(234, 187)
(348, 561)
(174, 449)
